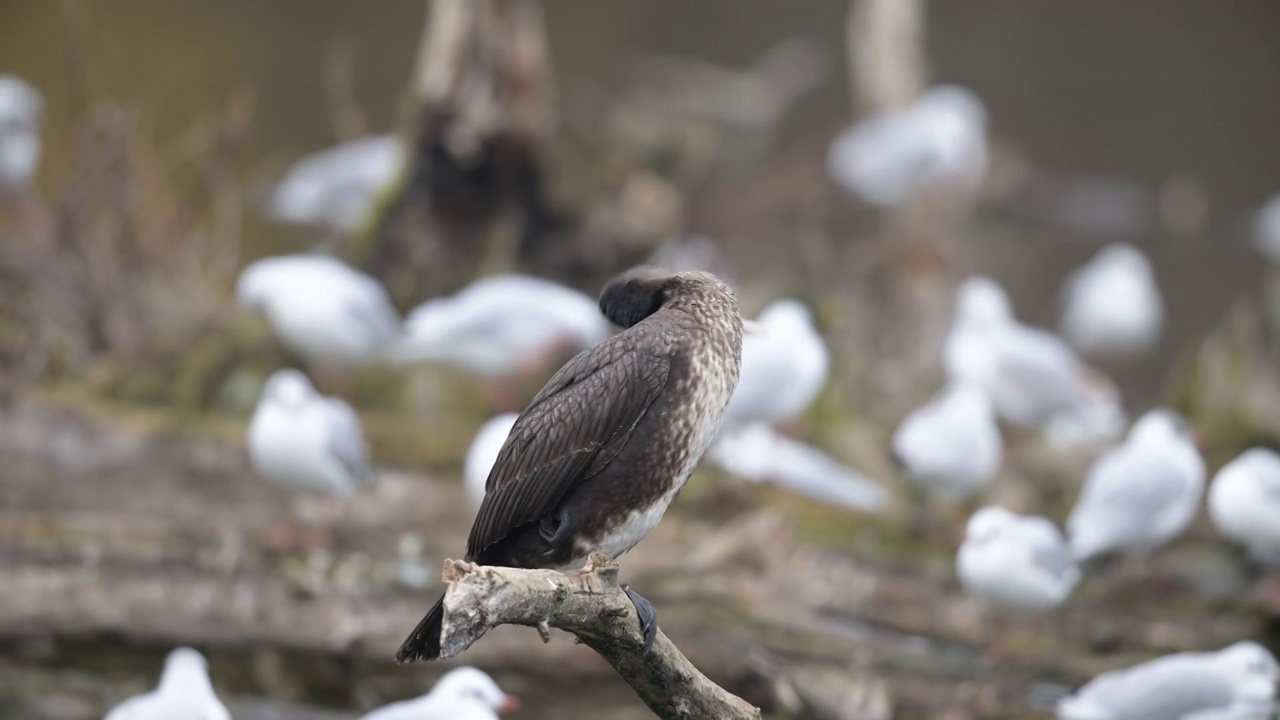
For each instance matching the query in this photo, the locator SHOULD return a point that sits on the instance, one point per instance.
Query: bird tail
(424, 642)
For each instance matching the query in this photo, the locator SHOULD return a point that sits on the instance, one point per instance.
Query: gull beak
(510, 703)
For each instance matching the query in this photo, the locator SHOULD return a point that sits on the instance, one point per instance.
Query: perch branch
(590, 604)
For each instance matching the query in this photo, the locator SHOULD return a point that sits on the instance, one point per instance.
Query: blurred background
(581, 138)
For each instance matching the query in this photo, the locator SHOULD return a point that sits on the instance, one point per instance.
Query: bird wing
(1165, 689)
(157, 706)
(1049, 550)
(1270, 485)
(374, 316)
(571, 431)
(346, 440)
(1127, 489)
(1038, 363)
(807, 470)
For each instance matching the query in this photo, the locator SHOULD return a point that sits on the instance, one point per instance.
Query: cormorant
(595, 460)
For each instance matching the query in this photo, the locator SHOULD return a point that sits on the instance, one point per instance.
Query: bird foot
(648, 617)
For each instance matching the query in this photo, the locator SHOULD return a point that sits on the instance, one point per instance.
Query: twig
(590, 604)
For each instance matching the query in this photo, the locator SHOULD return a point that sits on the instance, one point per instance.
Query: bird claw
(648, 617)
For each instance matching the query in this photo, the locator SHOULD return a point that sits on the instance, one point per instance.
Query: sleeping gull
(1244, 503)
(758, 453)
(1029, 374)
(335, 188)
(464, 693)
(321, 308)
(483, 453)
(20, 109)
(1112, 306)
(1236, 683)
(184, 692)
(1016, 561)
(501, 325)
(784, 366)
(951, 443)
(301, 440)
(938, 142)
(1141, 494)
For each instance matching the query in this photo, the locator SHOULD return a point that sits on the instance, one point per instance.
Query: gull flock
(1002, 376)
(1004, 380)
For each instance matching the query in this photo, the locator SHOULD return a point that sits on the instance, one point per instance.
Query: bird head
(986, 525)
(184, 668)
(468, 684)
(953, 100)
(640, 292)
(980, 302)
(787, 316)
(1161, 425)
(288, 388)
(1250, 660)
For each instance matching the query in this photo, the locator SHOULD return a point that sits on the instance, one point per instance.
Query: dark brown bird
(597, 457)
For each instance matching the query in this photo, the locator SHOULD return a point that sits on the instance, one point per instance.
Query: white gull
(336, 187)
(502, 325)
(1244, 503)
(21, 107)
(464, 693)
(784, 366)
(321, 308)
(1139, 495)
(184, 692)
(1030, 374)
(952, 443)
(301, 440)
(1236, 683)
(1016, 561)
(937, 143)
(758, 453)
(1112, 306)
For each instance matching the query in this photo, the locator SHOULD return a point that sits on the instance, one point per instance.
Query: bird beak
(510, 703)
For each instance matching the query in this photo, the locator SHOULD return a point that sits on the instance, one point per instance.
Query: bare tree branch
(590, 604)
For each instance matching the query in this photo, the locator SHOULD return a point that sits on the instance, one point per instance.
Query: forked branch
(590, 604)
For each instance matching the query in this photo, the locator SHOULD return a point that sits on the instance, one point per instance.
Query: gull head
(986, 525)
(470, 685)
(1259, 460)
(20, 105)
(184, 666)
(288, 388)
(786, 316)
(1161, 426)
(1249, 660)
(981, 302)
(254, 286)
(956, 101)
(1126, 258)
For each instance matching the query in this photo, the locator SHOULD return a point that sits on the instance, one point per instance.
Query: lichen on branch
(591, 605)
